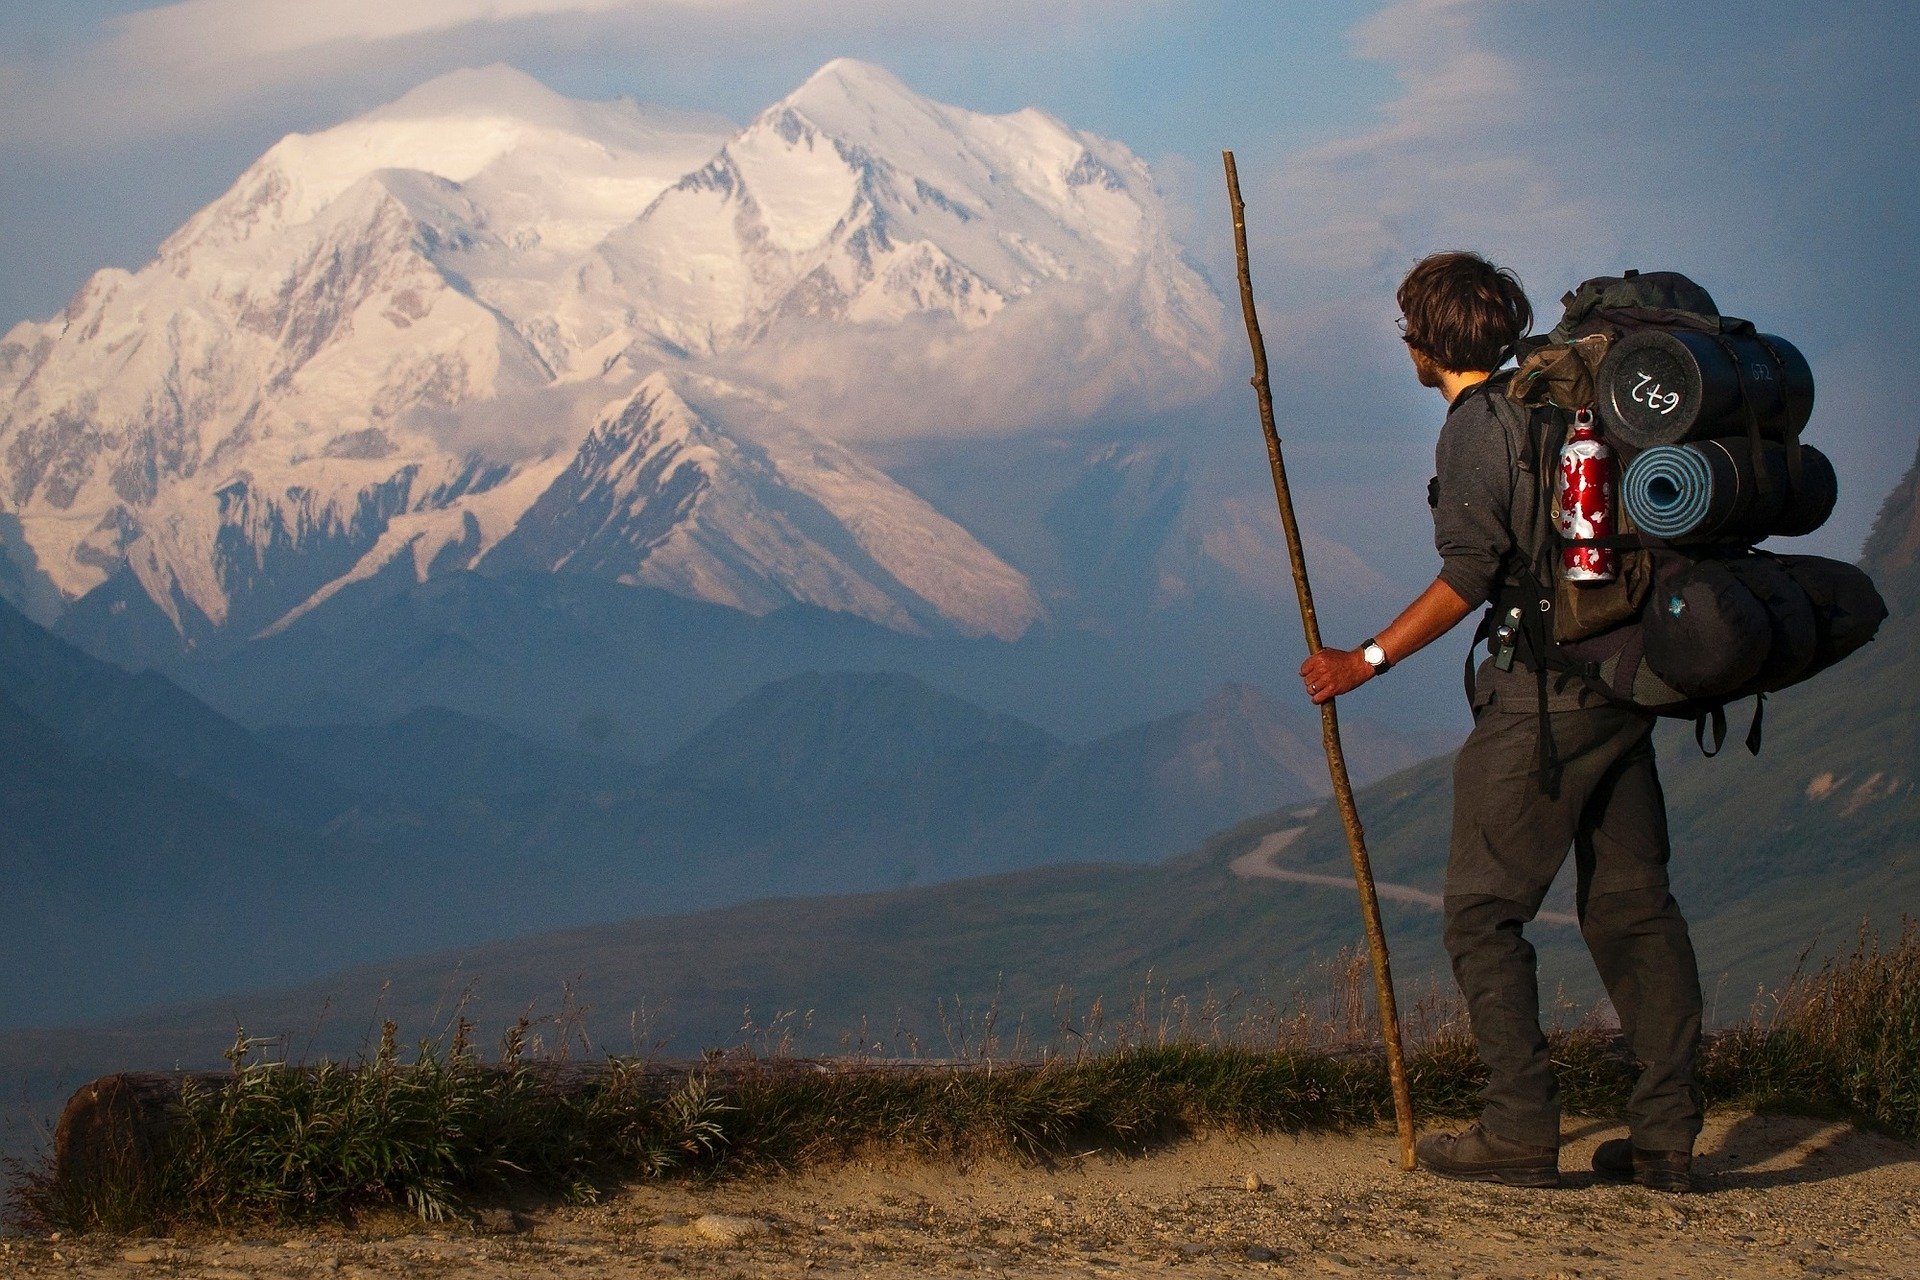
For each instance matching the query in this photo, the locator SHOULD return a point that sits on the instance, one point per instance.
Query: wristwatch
(1376, 657)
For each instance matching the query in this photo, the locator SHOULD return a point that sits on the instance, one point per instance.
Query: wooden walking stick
(1329, 718)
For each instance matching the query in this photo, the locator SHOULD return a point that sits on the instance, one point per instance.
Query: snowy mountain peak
(757, 514)
(853, 77)
(536, 152)
(486, 324)
(854, 200)
(499, 91)
(853, 98)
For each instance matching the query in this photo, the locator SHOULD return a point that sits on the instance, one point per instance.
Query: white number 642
(1661, 402)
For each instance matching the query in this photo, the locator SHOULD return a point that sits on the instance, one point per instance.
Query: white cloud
(1058, 357)
(222, 32)
(180, 65)
(240, 30)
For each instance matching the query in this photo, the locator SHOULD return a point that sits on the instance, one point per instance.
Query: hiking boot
(1621, 1161)
(1476, 1155)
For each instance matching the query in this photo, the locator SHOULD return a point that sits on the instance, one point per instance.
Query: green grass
(441, 1133)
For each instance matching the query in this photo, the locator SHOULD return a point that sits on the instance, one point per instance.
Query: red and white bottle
(1585, 501)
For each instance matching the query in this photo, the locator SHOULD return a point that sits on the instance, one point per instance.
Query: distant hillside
(100, 711)
(171, 824)
(826, 782)
(123, 881)
(434, 754)
(1039, 946)
(1892, 552)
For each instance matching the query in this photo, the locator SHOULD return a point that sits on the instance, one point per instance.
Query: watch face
(1375, 655)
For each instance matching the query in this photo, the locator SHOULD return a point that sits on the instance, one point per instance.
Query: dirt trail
(1780, 1197)
(1260, 862)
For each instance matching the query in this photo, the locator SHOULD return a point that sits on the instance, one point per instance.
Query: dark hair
(1463, 312)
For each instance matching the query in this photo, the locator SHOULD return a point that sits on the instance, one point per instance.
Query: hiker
(1461, 319)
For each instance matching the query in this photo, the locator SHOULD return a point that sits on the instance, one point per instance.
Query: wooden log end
(111, 1127)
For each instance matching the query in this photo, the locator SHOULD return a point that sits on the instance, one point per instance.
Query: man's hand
(1332, 672)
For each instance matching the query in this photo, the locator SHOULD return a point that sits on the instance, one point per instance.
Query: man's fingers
(1317, 674)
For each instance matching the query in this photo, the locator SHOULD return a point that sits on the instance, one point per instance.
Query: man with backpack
(1551, 763)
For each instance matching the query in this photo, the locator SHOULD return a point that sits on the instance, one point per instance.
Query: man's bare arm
(1438, 610)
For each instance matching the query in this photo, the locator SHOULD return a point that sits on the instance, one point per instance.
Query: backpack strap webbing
(1714, 718)
(1550, 770)
(1791, 433)
(1763, 479)
(1482, 632)
(1533, 602)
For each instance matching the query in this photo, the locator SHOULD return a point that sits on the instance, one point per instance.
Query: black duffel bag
(1724, 627)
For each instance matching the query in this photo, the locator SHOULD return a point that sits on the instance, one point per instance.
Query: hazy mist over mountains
(844, 777)
(144, 826)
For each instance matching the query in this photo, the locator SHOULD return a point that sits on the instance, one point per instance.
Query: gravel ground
(1779, 1196)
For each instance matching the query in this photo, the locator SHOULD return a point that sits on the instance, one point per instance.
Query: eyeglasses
(1401, 324)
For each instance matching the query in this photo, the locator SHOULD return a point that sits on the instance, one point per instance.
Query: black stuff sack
(1729, 627)
(1847, 608)
(1706, 634)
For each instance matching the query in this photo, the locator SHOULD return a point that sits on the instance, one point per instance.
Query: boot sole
(1678, 1185)
(1672, 1185)
(1534, 1178)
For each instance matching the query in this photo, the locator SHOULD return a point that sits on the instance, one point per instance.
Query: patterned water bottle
(1584, 500)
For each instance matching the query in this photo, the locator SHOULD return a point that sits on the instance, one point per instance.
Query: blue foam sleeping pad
(1711, 489)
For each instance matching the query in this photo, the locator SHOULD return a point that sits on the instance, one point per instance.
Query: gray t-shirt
(1490, 518)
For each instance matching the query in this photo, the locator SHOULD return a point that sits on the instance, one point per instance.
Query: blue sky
(1767, 148)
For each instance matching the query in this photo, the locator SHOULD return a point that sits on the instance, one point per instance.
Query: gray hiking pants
(1509, 841)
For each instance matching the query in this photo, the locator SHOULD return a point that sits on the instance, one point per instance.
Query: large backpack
(1704, 413)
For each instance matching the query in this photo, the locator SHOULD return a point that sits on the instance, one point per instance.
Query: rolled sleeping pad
(1668, 386)
(1709, 489)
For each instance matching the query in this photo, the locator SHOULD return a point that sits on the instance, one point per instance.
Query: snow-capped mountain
(854, 199)
(663, 493)
(480, 327)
